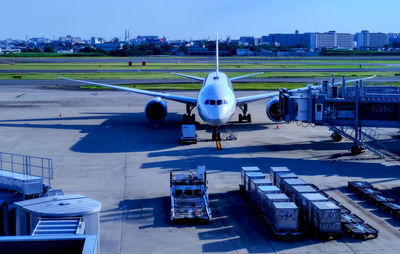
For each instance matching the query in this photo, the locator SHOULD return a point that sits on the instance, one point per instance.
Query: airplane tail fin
(216, 55)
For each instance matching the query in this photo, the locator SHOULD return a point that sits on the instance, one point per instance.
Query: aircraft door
(319, 109)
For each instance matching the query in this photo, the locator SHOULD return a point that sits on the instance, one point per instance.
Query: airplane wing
(245, 76)
(246, 99)
(178, 98)
(188, 76)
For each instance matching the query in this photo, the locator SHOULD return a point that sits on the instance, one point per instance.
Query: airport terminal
(311, 170)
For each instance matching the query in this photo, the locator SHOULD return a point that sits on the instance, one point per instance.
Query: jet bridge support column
(357, 148)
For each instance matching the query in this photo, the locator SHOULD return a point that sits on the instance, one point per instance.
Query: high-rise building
(332, 39)
(365, 39)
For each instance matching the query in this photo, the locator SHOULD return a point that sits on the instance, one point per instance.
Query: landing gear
(357, 149)
(244, 117)
(216, 135)
(189, 117)
(336, 137)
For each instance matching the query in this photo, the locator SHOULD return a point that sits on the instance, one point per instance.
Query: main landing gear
(189, 117)
(244, 117)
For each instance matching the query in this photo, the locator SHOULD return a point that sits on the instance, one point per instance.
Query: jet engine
(273, 110)
(156, 110)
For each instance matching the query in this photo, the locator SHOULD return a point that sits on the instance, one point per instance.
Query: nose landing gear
(244, 117)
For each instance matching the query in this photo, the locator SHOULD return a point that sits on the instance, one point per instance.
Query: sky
(192, 19)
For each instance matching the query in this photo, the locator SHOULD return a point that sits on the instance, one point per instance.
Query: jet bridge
(345, 109)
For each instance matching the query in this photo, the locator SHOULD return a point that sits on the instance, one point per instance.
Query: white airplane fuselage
(216, 102)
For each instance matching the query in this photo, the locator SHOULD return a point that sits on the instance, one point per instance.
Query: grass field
(195, 86)
(237, 86)
(155, 66)
(165, 75)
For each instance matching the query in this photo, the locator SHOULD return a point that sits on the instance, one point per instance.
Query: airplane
(216, 101)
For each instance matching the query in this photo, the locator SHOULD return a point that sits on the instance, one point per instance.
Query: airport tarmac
(103, 147)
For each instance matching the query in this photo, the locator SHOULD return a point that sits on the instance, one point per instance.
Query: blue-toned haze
(196, 19)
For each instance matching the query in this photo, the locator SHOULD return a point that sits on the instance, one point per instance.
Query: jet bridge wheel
(357, 149)
(336, 137)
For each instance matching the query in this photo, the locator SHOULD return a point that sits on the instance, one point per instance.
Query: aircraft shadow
(121, 132)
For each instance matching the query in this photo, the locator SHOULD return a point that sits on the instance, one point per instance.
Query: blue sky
(196, 19)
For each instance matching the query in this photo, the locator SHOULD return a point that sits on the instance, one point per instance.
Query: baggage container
(326, 217)
(284, 216)
(366, 192)
(392, 208)
(243, 173)
(355, 185)
(254, 183)
(379, 199)
(251, 175)
(274, 170)
(262, 191)
(350, 218)
(297, 190)
(306, 206)
(267, 201)
(288, 183)
(283, 175)
(361, 231)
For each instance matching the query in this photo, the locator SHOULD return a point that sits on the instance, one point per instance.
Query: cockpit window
(225, 101)
(219, 102)
(212, 102)
(207, 102)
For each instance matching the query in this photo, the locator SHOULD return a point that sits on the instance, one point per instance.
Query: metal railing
(28, 165)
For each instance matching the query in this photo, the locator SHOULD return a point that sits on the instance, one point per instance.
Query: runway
(57, 82)
(103, 147)
(133, 70)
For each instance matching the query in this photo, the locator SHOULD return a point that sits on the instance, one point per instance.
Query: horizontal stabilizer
(188, 76)
(245, 76)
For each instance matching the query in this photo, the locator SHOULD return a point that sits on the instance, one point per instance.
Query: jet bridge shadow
(228, 160)
(235, 225)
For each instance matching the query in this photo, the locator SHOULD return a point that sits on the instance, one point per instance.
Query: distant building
(264, 40)
(148, 39)
(8, 50)
(311, 40)
(70, 39)
(248, 40)
(393, 37)
(332, 39)
(365, 39)
(244, 52)
(109, 46)
(65, 51)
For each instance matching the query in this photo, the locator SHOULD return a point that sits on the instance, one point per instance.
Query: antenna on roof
(217, 56)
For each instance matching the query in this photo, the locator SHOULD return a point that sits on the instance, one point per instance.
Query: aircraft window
(212, 102)
(207, 102)
(225, 101)
(219, 102)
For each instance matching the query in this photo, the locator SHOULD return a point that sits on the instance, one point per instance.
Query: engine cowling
(156, 110)
(273, 110)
